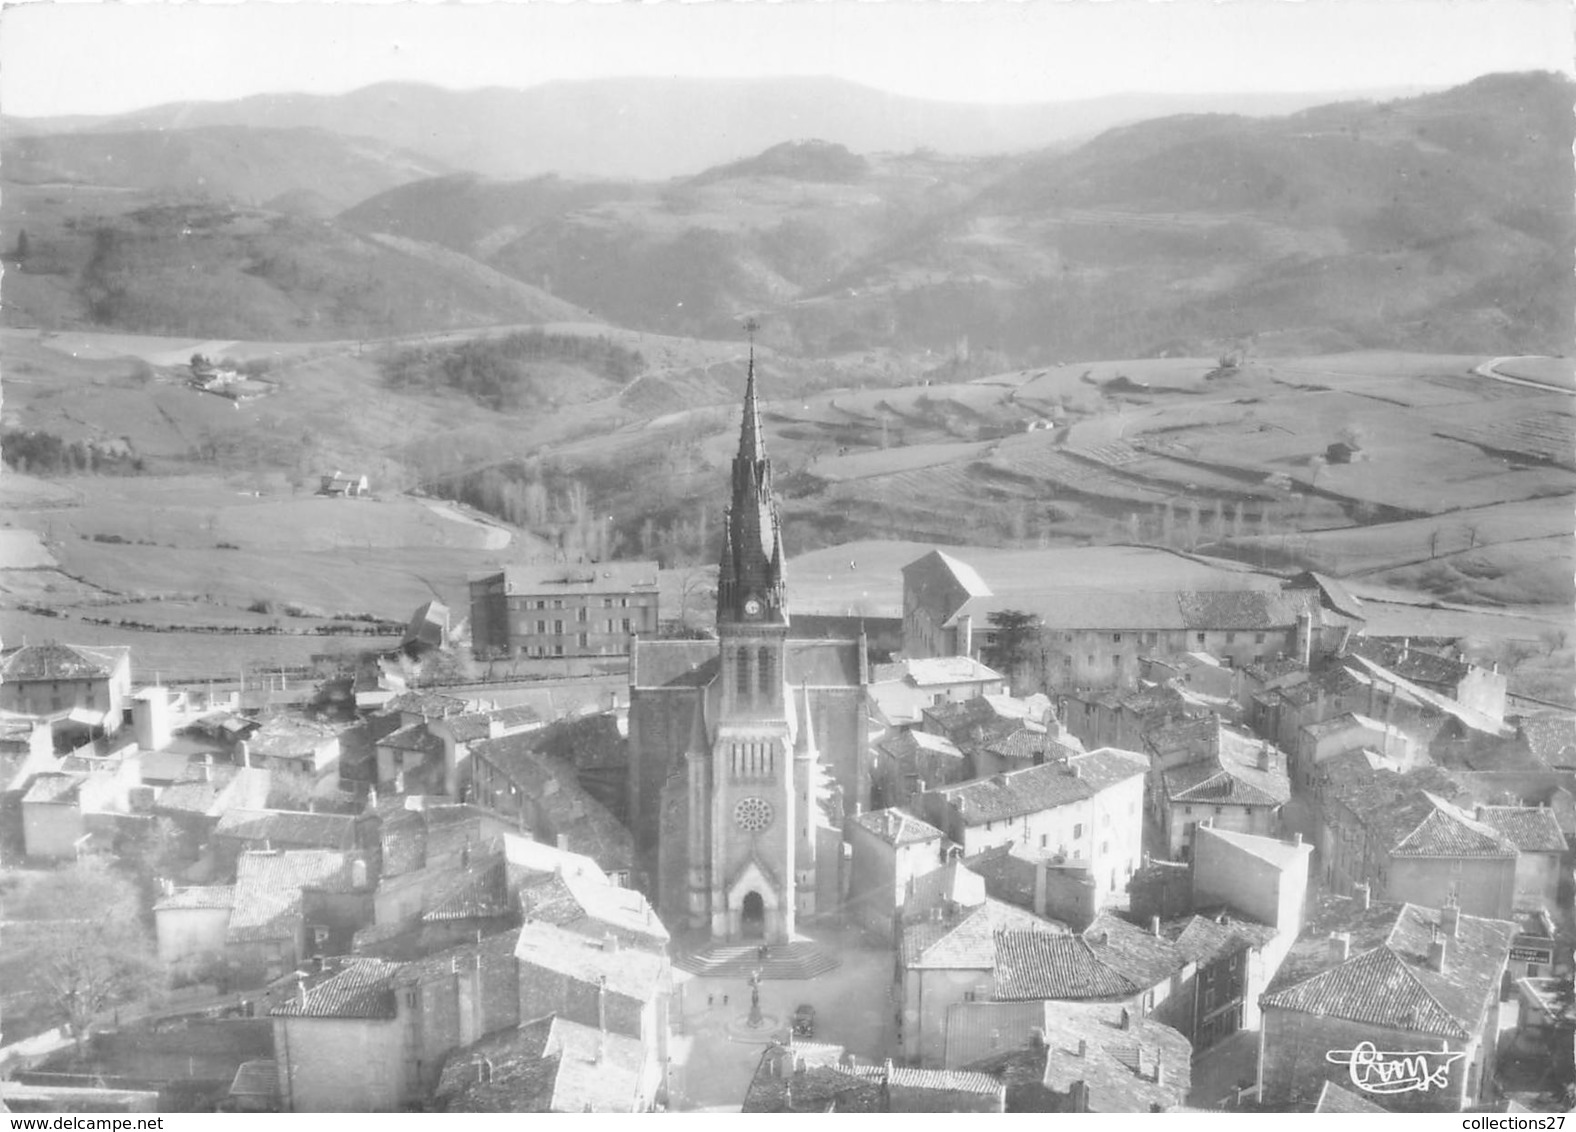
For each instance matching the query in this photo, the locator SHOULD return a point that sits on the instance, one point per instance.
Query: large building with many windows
(563, 609)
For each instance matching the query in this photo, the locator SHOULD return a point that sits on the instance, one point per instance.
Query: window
(558, 650)
(1077, 831)
(585, 639)
(1231, 638)
(1116, 660)
(1258, 638)
(1116, 638)
(541, 626)
(1089, 660)
(558, 603)
(1105, 847)
(1219, 810)
(627, 626)
(1149, 638)
(558, 627)
(741, 674)
(582, 614)
(1199, 637)
(1044, 840)
(764, 658)
(410, 998)
(607, 603)
(623, 603)
(1187, 810)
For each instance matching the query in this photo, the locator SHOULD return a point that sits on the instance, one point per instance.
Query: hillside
(659, 127)
(247, 165)
(156, 264)
(1439, 222)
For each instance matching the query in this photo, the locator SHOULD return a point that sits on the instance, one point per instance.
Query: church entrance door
(752, 916)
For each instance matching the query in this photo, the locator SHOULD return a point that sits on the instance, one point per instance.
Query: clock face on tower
(752, 608)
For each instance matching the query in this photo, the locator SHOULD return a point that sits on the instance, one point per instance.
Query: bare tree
(96, 954)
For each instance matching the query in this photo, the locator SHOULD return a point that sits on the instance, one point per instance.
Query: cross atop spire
(751, 446)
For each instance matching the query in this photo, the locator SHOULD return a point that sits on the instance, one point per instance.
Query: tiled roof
(580, 578)
(201, 896)
(1334, 1098)
(268, 890)
(417, 737)
(829, 1082)
(1140, 957)
(1203, 940)
(1027, 743)
(256, 1079)
(1040, 965)
(50, 661)
(591, 741)
(1405, 690)
(55, 789)
(938, 1080)
(586, 904)
(1117, 1061)
(504, 1072)
(530, 858)
(906, 745)
(551, 786)
(1533, 829)
(433, 705)
(1042, 787)
(1136, 610)
(1415, 664)
(290, 828)
(1446, 831)
(965, 940)
(1551, 737)
(290, 736)
(364, 988)
(1220, 785)
(941, 670)
(491, 953)
(896, 827)
(629, 971)
(953, 883)
(477, 891)
(1387, 981)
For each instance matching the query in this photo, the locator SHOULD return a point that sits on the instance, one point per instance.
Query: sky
(94, 58)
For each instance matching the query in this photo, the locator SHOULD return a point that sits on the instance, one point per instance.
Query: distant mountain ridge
(654, 128)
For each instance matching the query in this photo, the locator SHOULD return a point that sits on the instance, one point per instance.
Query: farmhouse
(93, 683)
(563, 609)
(1093, 636)
(341, 484)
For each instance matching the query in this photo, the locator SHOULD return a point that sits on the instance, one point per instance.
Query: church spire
(751, 445)
(750, 575)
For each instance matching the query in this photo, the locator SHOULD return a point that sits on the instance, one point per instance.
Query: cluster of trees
(44, 454)
(497, 371)
(95, 952)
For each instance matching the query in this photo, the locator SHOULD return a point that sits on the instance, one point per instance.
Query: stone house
(1540, 847)
(907, 763)
(806, 1077)
(49, 679)
(1441, 971)
(1410, 843)
(888, 850)
(559, 610)
(1086, 809)
(1073, 1056)
(1207, 771)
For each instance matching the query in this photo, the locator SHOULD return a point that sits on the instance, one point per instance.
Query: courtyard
(715, 1052)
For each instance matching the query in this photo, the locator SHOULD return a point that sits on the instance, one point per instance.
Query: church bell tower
(753, 823)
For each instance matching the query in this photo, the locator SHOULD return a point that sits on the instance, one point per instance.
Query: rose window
(753, 814)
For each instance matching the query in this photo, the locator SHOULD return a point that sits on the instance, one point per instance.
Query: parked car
(804, 1021)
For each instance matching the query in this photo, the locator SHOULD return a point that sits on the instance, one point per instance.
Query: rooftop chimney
(601, 1003)
(1265, 760)
(1363, 895)
(1083, 1047)
(1436, 952)
(1340, 946)
(1297, 838)
(1154, 926)
(1127, 1019)
(1450, 918)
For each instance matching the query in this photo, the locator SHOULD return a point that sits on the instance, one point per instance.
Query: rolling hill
(652, 128)
(1439, 222)
(311, 171)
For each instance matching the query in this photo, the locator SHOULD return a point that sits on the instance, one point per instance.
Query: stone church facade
(744, 751)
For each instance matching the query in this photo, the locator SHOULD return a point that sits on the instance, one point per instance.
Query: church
(744, 752)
